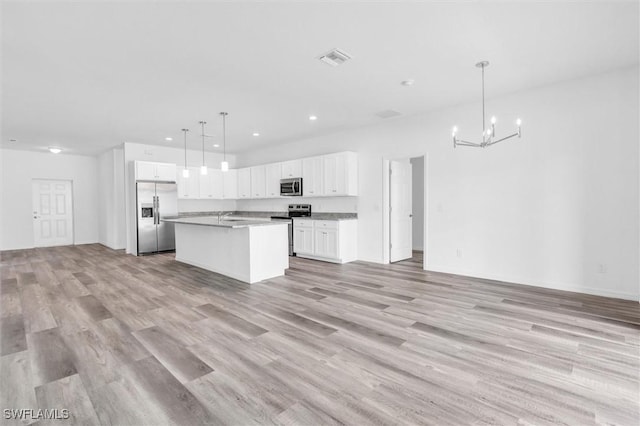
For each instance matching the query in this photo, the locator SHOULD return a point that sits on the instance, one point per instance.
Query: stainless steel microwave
(291, 187)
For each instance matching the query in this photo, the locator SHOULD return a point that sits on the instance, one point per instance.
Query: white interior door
(52, 213)
(400, 211)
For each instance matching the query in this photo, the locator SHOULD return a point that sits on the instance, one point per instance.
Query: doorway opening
(52, 212)
(407, 210)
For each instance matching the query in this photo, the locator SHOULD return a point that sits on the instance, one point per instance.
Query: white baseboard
(542, 284)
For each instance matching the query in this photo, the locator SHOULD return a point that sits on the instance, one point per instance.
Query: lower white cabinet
(329, 240)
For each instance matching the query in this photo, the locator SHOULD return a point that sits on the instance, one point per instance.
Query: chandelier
(488, 133)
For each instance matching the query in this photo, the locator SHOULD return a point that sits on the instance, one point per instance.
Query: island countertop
(224, 223)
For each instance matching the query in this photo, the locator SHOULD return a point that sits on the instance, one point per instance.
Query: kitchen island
(243, 249)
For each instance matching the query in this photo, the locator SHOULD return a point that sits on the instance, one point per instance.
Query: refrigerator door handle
(156, 215)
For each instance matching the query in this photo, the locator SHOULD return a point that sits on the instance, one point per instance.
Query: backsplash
(187, 206)
(318, 205)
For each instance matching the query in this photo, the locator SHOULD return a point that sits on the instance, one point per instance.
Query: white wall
(141, 152)
(417, 199)
(548, 209)
(112, 230)
(19, 168)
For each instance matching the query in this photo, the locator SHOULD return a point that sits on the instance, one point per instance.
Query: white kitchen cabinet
(291, 169)
(312, 176)
(340, 174)
(189, 187)
(325, 243)
(258, 182)
(148, 170)
(273, 173)
(211, 185)
(244, 183)
(230, 184)
(303, 236)
(329, 240)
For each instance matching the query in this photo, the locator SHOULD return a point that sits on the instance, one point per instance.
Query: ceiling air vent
(335, 57)
(389, 113)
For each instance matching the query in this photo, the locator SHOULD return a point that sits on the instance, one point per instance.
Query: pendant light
(185, 171)
(203, 168)
(224, 166)
(488, 133)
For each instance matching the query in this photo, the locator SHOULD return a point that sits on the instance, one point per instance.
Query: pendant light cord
(224, 136)
(203, 123)
(185, 147)
(483, 119)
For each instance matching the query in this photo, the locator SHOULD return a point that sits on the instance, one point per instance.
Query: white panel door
(52, 213)
(400, 214)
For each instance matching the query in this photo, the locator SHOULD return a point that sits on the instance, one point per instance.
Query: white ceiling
(87, 76)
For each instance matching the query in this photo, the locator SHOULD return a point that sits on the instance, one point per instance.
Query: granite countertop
(228, 222)
(267, 215)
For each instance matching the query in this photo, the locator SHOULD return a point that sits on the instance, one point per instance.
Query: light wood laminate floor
(125, 340)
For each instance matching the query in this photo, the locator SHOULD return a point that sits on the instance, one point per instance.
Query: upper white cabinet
(340, 174)
(189, 187)
(244, 183)
(273, 173)
(258, 182)
(211, 185)
(230, 184)
(147, 170)
(291, 169)
(312, 175)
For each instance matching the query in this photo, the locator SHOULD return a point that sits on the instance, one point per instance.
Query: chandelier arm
(467, 143)
(503, 139)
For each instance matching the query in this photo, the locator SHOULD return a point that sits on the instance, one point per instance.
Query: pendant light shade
(185, 171)
(203, 168)
(224, 165)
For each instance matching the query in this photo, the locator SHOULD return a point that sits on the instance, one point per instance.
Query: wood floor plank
(50, 357)
(12, 335)
(172, 354)
(121, 339)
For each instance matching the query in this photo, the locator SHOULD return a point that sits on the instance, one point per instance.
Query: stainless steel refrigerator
(155, 201)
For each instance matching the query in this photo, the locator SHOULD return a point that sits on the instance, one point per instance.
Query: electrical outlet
(459, 253)
(602, 268)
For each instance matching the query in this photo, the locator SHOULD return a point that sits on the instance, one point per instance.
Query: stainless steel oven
(291, 187)
(295, 210)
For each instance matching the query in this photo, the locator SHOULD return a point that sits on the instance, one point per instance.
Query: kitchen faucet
(222, 215)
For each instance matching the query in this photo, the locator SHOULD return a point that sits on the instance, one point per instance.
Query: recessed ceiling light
(256, 134)
(408, 82)
(313, 118)
(215, 145)
(168, 139)
(54, 150)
